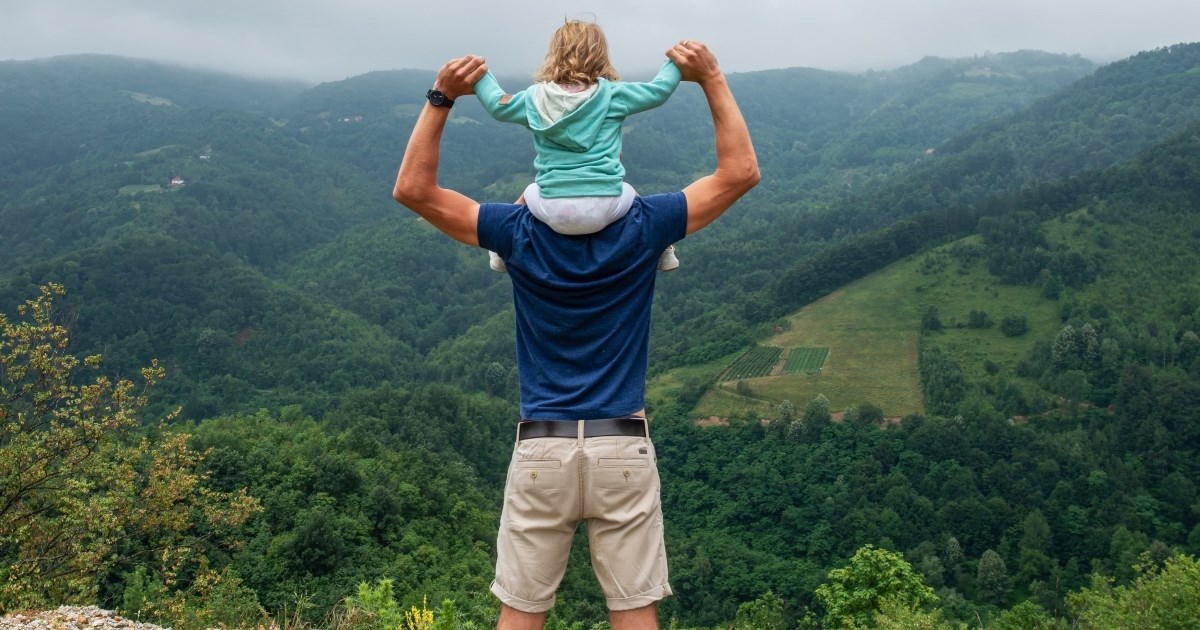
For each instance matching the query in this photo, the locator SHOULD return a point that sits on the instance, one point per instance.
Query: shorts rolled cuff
(640, 600)
(525, 606)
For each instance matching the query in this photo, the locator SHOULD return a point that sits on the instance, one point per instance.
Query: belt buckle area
(632, 426)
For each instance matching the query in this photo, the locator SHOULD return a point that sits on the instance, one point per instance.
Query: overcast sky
(325, 40)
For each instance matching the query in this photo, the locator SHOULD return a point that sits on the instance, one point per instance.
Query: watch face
(437, 98)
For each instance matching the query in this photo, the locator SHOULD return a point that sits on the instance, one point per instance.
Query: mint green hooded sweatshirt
(579, 152)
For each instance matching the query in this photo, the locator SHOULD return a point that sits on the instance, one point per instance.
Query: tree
(1014, 325)
(496, 377)
(979, 319)
(994, 583)
(868, 414)
(895, 615)
(1160, 598)
(1065, 353)
(853, 594)
(1025, 616)
(764, 613)
(80, 492)
(787, 411)
(930, 321)
(817, 412)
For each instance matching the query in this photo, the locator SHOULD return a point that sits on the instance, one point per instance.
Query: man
(582, 305)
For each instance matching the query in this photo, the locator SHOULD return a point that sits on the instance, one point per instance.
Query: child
(575, 112)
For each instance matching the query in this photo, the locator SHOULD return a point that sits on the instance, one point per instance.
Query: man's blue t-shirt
(583, 305)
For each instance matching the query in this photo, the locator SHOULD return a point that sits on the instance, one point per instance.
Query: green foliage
(1027, 616)
(942, 381)
(896, 614)
(81, 492)
(852, 594)
(1159, 598)
(1014, 325)
(375, 607)
(764, 613)
(787, 411)
(979, 319)
(930, 321)
(992, 578)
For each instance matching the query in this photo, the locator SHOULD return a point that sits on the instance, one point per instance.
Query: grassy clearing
(149, 99)
(153, 152)
(722, 402)
(872, 329)
(679, 384)
(137, 189)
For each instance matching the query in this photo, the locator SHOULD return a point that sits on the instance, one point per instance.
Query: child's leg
(496, 262)
(578, 215)
(668, 261)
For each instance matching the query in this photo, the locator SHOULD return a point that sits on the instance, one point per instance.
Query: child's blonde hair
(578, 54)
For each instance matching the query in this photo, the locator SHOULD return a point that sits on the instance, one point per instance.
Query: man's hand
(737, 167)
(457, 78)
(416, 184)
(695, 61)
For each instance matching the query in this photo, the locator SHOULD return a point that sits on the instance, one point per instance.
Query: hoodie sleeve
(632, 98)
(490, 94)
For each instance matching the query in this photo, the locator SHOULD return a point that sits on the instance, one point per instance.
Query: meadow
(872, 329)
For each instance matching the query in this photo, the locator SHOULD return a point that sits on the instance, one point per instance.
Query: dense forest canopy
(343, 375)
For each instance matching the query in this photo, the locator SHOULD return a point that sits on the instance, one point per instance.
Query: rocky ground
(73, 618)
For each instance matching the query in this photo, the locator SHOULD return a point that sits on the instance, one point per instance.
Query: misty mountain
(353, 368)
(298, 196)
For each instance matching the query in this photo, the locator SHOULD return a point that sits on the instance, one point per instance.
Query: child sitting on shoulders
(575, 112)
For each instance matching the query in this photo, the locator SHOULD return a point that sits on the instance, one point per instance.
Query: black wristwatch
(437, 98)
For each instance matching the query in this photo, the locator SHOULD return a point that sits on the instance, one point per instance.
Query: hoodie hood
(571, 119)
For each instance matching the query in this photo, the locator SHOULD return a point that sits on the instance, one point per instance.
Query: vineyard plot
(806, 360)
(755, 362)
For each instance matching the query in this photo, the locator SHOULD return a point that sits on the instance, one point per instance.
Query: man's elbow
(752, 175)
(743, 176)
(407, 194)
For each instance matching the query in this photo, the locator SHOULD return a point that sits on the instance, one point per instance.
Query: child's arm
(639, 97)
(503, 107)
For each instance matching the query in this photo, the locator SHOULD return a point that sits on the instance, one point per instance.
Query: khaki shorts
(554, 483)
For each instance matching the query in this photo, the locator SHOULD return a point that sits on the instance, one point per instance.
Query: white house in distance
(177, 182)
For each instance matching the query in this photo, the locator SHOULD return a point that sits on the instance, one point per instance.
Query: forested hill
(63, 109)
(286, 203)
(352, 369)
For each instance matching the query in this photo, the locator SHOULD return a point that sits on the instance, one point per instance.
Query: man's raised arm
(737, 166)
(416, 184)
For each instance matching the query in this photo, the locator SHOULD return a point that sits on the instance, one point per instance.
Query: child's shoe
(497, 263)
(668, 261)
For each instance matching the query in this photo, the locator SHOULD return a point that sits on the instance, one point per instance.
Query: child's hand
(458, 76)
(696, 62)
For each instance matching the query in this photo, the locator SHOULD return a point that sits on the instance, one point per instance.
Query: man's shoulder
(664, 213)
(661, 202)
(496, 219)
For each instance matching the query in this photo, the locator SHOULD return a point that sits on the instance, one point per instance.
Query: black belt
(634, 427)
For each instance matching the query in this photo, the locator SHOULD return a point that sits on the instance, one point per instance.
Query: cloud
(321, 40)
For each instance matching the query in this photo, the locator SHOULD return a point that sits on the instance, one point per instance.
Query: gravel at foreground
(73, 618)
